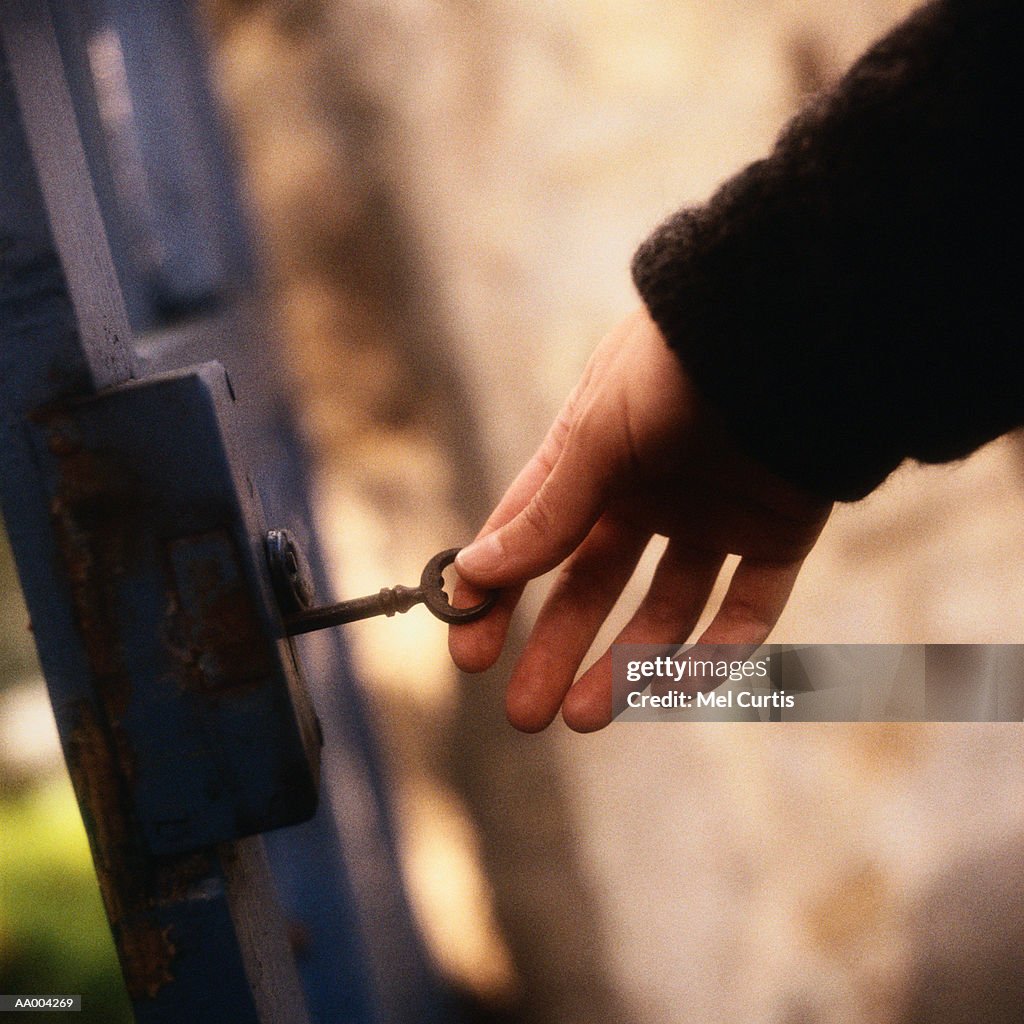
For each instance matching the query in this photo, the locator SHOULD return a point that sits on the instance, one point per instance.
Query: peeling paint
(210, 727)
(218, 642)
(146, 949)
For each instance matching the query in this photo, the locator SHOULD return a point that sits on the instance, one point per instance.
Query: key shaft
(388, 601)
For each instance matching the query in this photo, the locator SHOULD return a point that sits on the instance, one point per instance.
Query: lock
(200, 691)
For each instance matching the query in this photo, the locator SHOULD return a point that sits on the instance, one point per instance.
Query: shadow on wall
(485, 829)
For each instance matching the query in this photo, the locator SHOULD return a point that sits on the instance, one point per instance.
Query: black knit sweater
(856, 298)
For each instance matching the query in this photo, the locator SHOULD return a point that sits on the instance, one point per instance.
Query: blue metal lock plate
(162, 540)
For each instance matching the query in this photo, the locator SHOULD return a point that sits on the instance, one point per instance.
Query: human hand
(634, 452)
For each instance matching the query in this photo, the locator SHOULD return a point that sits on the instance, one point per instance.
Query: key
(392, 600)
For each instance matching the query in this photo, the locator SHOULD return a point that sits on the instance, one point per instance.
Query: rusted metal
(147, 950)
(189, 736)
(204, 711)
(215, 635)
(90, 489)
(165, 911)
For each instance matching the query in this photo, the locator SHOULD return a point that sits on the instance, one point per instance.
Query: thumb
(555, 520)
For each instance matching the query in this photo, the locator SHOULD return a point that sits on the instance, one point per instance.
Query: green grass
(53, 931)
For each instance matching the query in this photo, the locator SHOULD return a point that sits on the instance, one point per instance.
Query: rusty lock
(293, 585)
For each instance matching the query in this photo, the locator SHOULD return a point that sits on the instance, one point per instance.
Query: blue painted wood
(196, 930)
(168, 175)
(63, 333)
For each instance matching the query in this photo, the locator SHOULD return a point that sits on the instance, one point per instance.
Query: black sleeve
(856, 298)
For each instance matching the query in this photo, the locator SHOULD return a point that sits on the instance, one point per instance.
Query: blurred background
(448, 194)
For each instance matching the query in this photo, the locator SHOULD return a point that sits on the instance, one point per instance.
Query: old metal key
(294, 590)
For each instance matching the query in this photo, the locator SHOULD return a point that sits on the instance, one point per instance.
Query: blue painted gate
(147, 448)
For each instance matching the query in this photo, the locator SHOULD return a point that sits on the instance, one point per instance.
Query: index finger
(475, 646)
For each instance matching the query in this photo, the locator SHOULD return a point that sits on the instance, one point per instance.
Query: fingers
(547, 511)
(668, 613)
(677, 595)
(561, 493)
(583, 595)
(530, 478)
(475, 646)
(556, 518)
(757, 594)
(755, 599)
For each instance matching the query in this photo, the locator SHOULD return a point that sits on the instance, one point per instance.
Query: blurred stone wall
(450, 194)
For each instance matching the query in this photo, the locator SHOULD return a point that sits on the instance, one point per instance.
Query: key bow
(286, 566)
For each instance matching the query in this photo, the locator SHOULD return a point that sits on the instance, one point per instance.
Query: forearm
(854, 299)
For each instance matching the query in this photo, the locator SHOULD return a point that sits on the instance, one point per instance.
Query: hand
(635, 452)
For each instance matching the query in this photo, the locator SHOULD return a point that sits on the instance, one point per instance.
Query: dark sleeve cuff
(855, 299)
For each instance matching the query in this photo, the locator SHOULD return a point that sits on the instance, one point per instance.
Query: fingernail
(483, 555)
